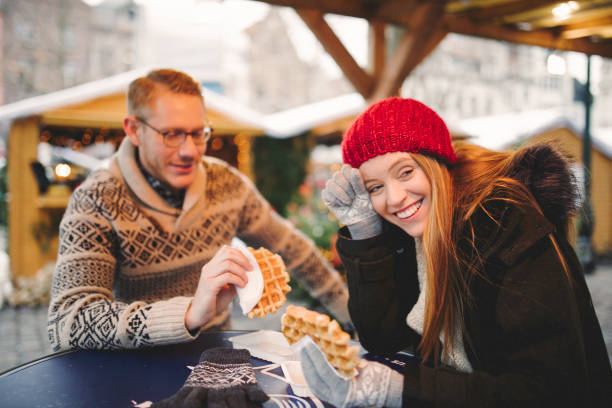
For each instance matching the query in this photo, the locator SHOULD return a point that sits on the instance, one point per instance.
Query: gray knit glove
(346, 196)
(224, 378)
(375, 385)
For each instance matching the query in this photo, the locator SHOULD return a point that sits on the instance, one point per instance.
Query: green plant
(280, 167)
(46, 229)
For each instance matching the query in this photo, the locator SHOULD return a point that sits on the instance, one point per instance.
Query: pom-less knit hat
(396, 125)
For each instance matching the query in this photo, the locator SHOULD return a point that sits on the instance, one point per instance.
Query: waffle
(326, 333)
(275, 278)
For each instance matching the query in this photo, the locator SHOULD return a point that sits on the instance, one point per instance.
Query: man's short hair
(142, 90)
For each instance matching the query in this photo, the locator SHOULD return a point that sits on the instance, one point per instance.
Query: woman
(460, 254)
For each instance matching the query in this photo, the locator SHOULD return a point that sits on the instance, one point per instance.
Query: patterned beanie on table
(396, 125)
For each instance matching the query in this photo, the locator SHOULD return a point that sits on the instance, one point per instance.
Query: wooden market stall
(601, 178)
(96, 109)
(517, 129)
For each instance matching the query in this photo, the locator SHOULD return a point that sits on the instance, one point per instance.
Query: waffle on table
(326, 333)
(275, 279)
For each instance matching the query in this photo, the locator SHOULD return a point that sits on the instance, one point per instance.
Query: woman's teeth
(410, 210)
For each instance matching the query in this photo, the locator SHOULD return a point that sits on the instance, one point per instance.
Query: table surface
(128, 378)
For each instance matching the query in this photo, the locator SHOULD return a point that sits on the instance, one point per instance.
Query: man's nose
(188, 149)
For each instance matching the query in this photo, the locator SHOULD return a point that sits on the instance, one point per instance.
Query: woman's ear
(130, 127)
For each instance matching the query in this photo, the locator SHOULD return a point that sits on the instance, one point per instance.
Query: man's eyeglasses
(175, 137)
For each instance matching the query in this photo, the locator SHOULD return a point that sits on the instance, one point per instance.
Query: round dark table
(123, 379)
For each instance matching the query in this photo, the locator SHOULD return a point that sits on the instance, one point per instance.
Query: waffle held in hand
(326, 333)
(268, 283)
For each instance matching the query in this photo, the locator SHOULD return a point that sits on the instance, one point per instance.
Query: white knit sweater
(416, 317)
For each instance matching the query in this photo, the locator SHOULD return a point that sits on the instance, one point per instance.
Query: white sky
(231, 17)
(226, 19)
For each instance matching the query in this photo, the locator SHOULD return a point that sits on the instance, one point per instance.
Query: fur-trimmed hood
(546, 172)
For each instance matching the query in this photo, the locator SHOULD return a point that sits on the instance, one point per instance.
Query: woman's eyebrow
(401, 161)
(397, 162)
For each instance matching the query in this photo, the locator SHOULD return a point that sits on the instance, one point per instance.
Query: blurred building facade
(279, 78)
(53, 44)
(469, 77)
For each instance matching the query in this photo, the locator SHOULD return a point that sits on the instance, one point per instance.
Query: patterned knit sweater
(128, 262)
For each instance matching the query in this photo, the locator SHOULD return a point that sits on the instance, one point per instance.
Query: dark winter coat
(532, 336)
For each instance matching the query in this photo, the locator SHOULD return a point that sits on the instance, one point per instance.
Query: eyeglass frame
(207, 131)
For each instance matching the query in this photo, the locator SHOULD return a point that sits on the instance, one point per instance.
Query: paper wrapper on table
(267, 345)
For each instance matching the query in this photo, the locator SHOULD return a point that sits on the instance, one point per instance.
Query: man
(144, 256)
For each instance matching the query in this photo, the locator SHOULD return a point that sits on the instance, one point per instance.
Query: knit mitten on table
(223, 378)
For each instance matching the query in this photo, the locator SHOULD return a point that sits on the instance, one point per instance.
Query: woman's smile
(409, 211)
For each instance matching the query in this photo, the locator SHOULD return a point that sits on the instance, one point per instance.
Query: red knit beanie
(396, 125)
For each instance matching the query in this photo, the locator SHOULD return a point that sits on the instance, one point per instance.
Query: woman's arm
(383, 287)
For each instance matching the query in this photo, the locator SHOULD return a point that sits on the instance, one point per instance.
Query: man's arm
(261, 225)
(83, 312)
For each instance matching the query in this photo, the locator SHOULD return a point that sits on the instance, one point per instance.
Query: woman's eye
(373, 189)
(406, 172)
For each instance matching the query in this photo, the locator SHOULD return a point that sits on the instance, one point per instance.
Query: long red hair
(457, 192)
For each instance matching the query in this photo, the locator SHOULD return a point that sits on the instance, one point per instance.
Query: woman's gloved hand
(375, 385)
(346, 196)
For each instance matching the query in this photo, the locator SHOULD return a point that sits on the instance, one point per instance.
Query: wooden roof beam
(541, 38)
(360, 79)
(397, 11)
(586, 29)
(500, 10)
(579, 17)
(343, 7)
(370, 10)
(414, 46)
(436, 37)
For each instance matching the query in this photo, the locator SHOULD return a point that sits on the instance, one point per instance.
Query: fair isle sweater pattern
(126, 268)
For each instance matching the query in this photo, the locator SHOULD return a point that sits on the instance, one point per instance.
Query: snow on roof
(498, 132)
(69, 96)
(111, 85)
(604, 137)
(231, 108)
(297, 120)
(280, 124)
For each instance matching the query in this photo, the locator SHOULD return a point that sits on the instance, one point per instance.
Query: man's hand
(216, 288)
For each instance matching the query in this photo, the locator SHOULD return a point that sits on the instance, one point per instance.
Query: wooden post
(25, 253)
(378, 48)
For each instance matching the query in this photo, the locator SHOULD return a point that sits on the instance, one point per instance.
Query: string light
(564, 10)
(243, 142)
(62, 171)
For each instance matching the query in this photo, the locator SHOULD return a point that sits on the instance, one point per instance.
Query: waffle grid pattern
(325, 332)
(276, 280)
